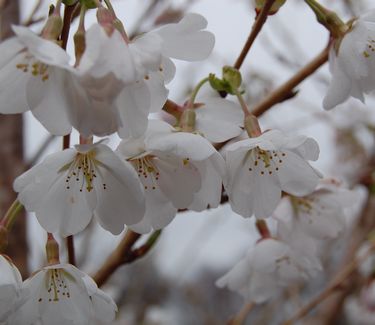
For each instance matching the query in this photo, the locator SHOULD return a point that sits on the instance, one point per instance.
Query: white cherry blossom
(70, 187)
(320, 214)
(270, 265)
(352, 63)
(32, 77)
(259, 169)
(178, 170)
(10, 289)
(107, 90)
(62, 294)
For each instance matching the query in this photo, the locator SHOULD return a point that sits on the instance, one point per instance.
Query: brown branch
(31, 19)
(240, 318)
(329, 312)
(68, 14)
(331, 288)
(257, 27)
(285, 90)
(124, 254)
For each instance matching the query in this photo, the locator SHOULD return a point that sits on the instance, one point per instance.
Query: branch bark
(11, 153)
(124, 254)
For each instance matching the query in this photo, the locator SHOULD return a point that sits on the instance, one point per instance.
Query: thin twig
(68, 13)
(285, 90)
(31, 20)
(240, 318)
(124, 254)
(331, 288)
(257, 27)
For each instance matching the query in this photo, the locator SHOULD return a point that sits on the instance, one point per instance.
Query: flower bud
(187, 122)
(232, 76)
(218, 84)
(53, 27)
(106, 19)
(259, 4)
(79, 44)
(328, 19)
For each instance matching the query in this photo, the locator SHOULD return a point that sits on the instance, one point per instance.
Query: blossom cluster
(118, 85)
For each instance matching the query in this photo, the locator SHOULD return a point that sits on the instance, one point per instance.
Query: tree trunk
(11, 153)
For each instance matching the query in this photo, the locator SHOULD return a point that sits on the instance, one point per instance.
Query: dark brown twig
(257, 27)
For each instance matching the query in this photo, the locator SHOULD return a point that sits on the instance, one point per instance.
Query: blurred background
(175, 283)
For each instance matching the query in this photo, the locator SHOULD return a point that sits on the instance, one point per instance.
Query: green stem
(328, 18)
(243, 104)
(58, 7)
(318, 9)
(195, 92)
(11, 215)
(110, 7)
(81, 24)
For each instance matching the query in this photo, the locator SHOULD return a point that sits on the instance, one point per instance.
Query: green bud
(69, 2)
(232, 76)
(53, 27)
(328, 19)
(219, 85)
(259, 4)
(89, 4)
(79, 44)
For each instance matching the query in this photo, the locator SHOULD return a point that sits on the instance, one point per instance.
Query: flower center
(56, 285)
(147, 171)
(84, 171)
(265, 162)
(370, 48)
(36, 68)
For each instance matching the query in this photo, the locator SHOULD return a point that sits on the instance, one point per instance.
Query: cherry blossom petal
(178, 181)
(212, 172)
(106, 55)
(35, 183)
(134, 104)
(158, 92)
(48, 102)
(9, 48)
(219, 120)
(44, 50)
(338, 90)
(186, 40)
(122, 201)
(13, 84)
(159, 212)
(181, 144)
(296, 176)
(267, 194)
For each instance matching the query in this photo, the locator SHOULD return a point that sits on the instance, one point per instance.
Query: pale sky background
(219, 238)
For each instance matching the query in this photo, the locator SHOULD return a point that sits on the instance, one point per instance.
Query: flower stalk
(195, 92)
(328, 18)
(52, 250)
(263, 228)
(11, 215)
